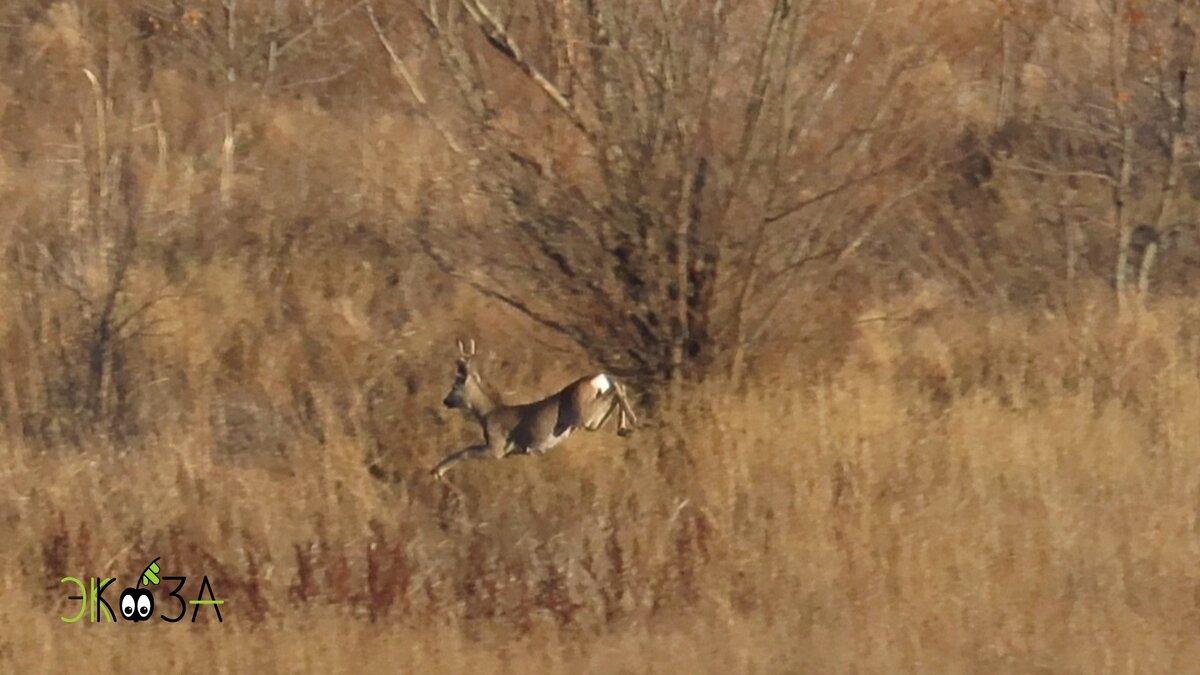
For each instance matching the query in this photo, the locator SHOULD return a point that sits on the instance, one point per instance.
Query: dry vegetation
(914, 328)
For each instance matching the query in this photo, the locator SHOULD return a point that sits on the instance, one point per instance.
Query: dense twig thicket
(675, 190)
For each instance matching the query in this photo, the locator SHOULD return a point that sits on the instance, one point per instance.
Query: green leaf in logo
(150, 574)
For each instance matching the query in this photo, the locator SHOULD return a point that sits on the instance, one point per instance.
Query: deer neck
(481, 400)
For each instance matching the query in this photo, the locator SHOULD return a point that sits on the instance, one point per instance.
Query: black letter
(175, 594)
(216, 604)
(98, 599)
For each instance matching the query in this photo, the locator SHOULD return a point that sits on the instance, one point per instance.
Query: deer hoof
(624, 433)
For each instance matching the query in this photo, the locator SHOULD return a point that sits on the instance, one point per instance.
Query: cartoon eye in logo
(129, 603)
(145, 604)
(136, 604)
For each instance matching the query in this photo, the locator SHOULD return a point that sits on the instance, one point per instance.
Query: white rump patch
(601, 383)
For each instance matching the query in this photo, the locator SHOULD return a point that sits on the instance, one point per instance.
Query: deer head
(465, 378)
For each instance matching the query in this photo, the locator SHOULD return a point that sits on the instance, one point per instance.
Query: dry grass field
(905, 291)
(970, 494)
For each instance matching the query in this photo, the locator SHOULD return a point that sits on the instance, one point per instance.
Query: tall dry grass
(970, 493)
(904, 485)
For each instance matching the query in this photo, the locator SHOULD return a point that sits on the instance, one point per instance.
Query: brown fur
(531, 428)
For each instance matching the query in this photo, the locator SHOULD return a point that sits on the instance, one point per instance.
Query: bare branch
(851, 53)
(876, 217)
(827, 193)
(61, 276)
(524, 308)
(146, 306)
(318, 24)
(500, 39)
(754, 106)
(1058, 173)
(401, 70)
(839, 255)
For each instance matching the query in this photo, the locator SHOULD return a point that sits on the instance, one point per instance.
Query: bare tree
(1110, 124)
(686, 208)
(86, 262)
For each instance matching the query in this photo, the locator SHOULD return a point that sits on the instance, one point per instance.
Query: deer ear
(462, 349)
(472, 347)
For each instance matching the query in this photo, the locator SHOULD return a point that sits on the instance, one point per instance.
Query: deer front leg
(481, 451)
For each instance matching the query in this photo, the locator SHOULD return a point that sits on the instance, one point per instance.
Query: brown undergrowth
(967, 494)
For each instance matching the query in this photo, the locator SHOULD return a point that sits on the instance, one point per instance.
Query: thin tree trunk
(1118, 45)
(229, 145)
(1147, 264)
(1072, 233)
(1005, 69)
(1176, 102)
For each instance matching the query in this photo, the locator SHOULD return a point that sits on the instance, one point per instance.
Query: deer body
(531, 428)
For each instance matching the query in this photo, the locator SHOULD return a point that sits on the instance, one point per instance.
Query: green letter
(82, 598)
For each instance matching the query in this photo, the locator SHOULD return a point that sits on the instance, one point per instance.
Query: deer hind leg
(627, 421)
(598, 420)
(481, 451)
(626, 418)
(569, 416)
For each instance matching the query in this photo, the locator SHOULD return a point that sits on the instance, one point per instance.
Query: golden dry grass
(947, 500)
(955, 489)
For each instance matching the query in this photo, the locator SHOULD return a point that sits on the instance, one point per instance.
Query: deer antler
(467, 349)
